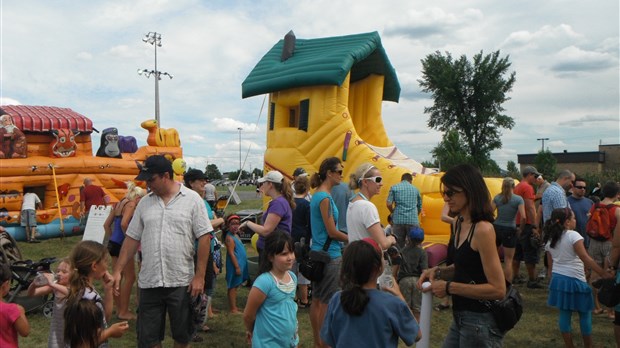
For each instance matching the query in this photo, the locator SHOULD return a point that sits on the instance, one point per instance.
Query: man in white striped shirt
(166, 224)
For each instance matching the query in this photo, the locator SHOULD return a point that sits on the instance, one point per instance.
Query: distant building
(606, 158)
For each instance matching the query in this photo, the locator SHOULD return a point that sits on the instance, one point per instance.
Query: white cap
(272, 176)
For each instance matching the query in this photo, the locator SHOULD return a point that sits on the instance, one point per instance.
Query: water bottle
(386, 279)
(40, 279)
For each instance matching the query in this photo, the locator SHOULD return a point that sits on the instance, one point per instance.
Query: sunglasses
(338, 171)
(451, 192)
(580, 187)
(376, 179)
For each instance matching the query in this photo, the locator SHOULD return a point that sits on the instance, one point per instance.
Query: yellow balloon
(254, 240)
(179, 166)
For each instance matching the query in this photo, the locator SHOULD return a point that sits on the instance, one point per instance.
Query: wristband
(448, 288)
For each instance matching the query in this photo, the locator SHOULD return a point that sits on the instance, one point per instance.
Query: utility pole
(543, 143)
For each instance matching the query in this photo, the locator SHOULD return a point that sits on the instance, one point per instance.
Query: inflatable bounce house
(325, 98)
(48, 151)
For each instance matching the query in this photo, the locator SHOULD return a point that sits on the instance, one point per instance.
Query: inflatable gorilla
(109, 144)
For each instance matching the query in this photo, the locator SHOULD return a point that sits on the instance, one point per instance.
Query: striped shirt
(408, 203)
(167, 234)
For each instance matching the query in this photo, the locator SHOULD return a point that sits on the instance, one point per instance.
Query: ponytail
(554, 227)
(82, 257)
(360, 262)
(287, 192)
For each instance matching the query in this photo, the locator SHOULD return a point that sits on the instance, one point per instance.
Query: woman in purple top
(279, 213)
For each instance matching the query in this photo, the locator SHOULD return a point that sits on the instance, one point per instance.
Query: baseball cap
(272, 176)
(154, 165)
(416, 233)
(194, 174)
(530, 170)
(300, 172)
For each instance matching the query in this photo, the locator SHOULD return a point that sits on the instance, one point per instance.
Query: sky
(84, 55)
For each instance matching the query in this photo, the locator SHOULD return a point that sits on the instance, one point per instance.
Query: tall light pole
(543, 143)
(239, 129)
(154, 39)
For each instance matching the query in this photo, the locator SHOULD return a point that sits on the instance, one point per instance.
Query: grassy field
(537, 328)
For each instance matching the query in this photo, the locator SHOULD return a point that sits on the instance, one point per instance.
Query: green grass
(537, 328)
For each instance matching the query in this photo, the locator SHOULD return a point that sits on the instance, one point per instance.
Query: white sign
(94, 225)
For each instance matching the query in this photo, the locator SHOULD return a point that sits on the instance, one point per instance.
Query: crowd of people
(171, 230)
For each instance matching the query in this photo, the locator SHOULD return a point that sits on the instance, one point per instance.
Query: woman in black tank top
(474, 272)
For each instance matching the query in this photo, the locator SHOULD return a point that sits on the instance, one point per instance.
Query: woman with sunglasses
(279, 213)
(323, 223)
(474, 274)
(362, 215)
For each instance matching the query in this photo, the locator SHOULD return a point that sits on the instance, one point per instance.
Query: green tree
(244, 175)
(257, 173)
(213, 172)
(513, 170)
(545, 164)
(450, 151)
(468, 98)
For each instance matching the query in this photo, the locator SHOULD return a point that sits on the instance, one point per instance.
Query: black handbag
(608, 291)
(507, 312)
(312, 265)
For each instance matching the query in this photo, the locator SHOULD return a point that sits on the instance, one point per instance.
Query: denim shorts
(154, 303)
(472, 329)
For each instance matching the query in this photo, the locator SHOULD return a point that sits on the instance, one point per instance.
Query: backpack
(602, 221)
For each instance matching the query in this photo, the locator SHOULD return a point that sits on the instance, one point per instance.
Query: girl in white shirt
(568, 289)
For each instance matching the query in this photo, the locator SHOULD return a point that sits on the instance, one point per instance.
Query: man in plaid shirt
(405, 203)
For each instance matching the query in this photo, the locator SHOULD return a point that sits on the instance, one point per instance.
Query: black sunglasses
(450, 192)
(338, 171)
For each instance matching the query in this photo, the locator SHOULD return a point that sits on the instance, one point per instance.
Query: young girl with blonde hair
(89, 261)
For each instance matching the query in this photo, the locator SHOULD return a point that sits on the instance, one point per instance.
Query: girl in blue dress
(236, 261)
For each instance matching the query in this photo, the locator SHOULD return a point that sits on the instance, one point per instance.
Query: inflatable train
(325, 99)
(48, 151)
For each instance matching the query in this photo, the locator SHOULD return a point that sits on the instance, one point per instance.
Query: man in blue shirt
(404, 203)
(580, 204)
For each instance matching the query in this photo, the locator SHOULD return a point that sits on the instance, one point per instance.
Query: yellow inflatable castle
(325, 98)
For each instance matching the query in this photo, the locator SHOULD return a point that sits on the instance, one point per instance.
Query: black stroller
(23, 273)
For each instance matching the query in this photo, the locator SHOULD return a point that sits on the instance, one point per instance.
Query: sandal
(598, 311)
(442, 307)
(303, 304)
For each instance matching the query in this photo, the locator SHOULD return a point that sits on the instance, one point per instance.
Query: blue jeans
(471, 329)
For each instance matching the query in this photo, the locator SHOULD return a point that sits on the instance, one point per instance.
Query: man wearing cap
(404, 203)
(166, 222)
(524, 250)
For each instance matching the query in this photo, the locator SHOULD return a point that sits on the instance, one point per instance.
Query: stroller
(23, 274)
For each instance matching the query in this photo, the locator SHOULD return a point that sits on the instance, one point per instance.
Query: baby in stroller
(23, 273)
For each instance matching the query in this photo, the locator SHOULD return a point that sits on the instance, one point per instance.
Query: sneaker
(542, 274)
(519, 280)
(533, 284)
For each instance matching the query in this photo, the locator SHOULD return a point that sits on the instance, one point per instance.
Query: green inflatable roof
(324, 61)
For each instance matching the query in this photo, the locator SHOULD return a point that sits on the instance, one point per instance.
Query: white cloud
(566, 59)
(9, 101)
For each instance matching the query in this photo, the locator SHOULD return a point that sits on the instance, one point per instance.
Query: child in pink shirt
(12, 316)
